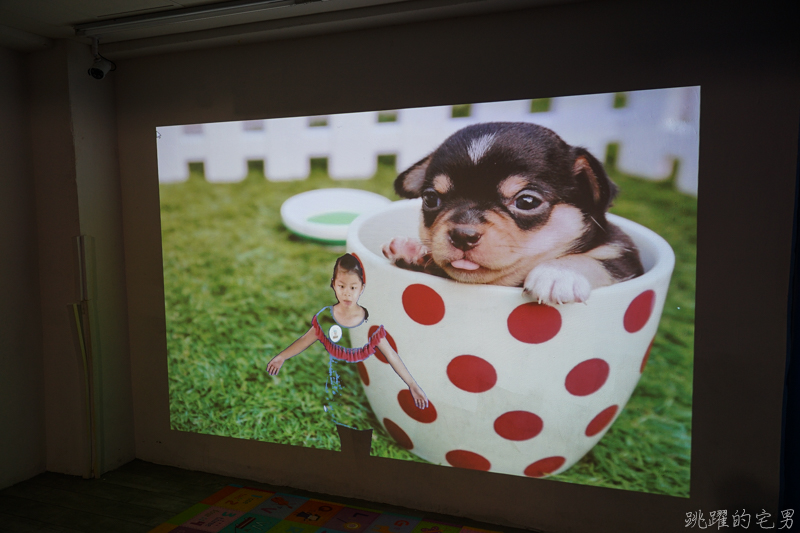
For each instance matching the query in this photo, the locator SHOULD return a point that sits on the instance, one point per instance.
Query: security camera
(100, 68)
(101, 65)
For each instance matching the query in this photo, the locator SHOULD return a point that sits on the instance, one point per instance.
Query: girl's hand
(420, 399)
(275, 365)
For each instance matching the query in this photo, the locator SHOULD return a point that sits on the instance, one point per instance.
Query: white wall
(22, 437)
(73, 164)
(53, 165)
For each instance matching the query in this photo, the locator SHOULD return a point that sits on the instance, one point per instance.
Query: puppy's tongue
(463, 264)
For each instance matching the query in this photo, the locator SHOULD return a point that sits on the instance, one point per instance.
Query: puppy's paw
(551, 283)
(406, 253)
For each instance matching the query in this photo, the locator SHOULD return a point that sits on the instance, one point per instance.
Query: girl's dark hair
(349, 263)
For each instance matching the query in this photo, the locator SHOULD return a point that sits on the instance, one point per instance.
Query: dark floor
(136, 498)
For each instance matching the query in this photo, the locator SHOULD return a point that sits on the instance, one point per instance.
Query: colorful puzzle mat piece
(294, 527)
(237, 509)
(244, 499)
(435, 527)
(280, 505)
(315, 512)
(394, 523)
(350, 519)
(213, 519)
(251, 522)
(164, 528)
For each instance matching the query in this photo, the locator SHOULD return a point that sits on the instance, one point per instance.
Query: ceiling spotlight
(101, 65)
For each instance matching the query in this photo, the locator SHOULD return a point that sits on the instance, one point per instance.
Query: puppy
(510, 203)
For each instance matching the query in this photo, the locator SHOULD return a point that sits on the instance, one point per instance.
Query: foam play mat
(237, 509)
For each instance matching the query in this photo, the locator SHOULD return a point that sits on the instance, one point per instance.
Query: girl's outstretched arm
(420, 398)
(295, 348)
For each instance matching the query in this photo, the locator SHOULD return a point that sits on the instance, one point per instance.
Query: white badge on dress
(335, 333)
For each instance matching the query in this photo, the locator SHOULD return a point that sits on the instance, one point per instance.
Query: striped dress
(336, 340)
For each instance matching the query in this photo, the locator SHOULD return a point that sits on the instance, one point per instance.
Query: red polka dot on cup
(363, 374)
(545, 466)
(423, 304)
(471, 373)
(406, 401)
(646, 356)
(601, 421)
(587, 377)
(389, 339)
(639, 311)
(518, 425)
(397, 433)
(467, 459)
(534, 323)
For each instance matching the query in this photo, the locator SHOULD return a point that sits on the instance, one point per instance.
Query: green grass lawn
(239, 288)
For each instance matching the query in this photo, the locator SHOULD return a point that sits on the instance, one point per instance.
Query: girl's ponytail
(361, 266)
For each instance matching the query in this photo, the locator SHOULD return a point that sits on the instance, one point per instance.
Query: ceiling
(153, 26)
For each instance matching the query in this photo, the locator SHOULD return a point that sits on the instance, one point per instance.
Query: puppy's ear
(597, 187)
(409, 183)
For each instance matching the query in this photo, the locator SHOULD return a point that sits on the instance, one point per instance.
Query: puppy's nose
(464, 238)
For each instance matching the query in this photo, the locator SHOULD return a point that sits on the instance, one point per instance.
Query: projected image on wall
(530, 263)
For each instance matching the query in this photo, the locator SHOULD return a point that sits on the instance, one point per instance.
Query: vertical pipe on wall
(82, 322)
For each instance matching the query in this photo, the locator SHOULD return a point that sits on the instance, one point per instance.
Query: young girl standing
(348, 282)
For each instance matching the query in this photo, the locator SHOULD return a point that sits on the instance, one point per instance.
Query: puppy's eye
(527, 202)
(431, 199)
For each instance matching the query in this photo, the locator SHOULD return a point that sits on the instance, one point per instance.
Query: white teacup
(515, 387)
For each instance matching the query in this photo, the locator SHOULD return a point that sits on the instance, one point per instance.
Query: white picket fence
(654, 128)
